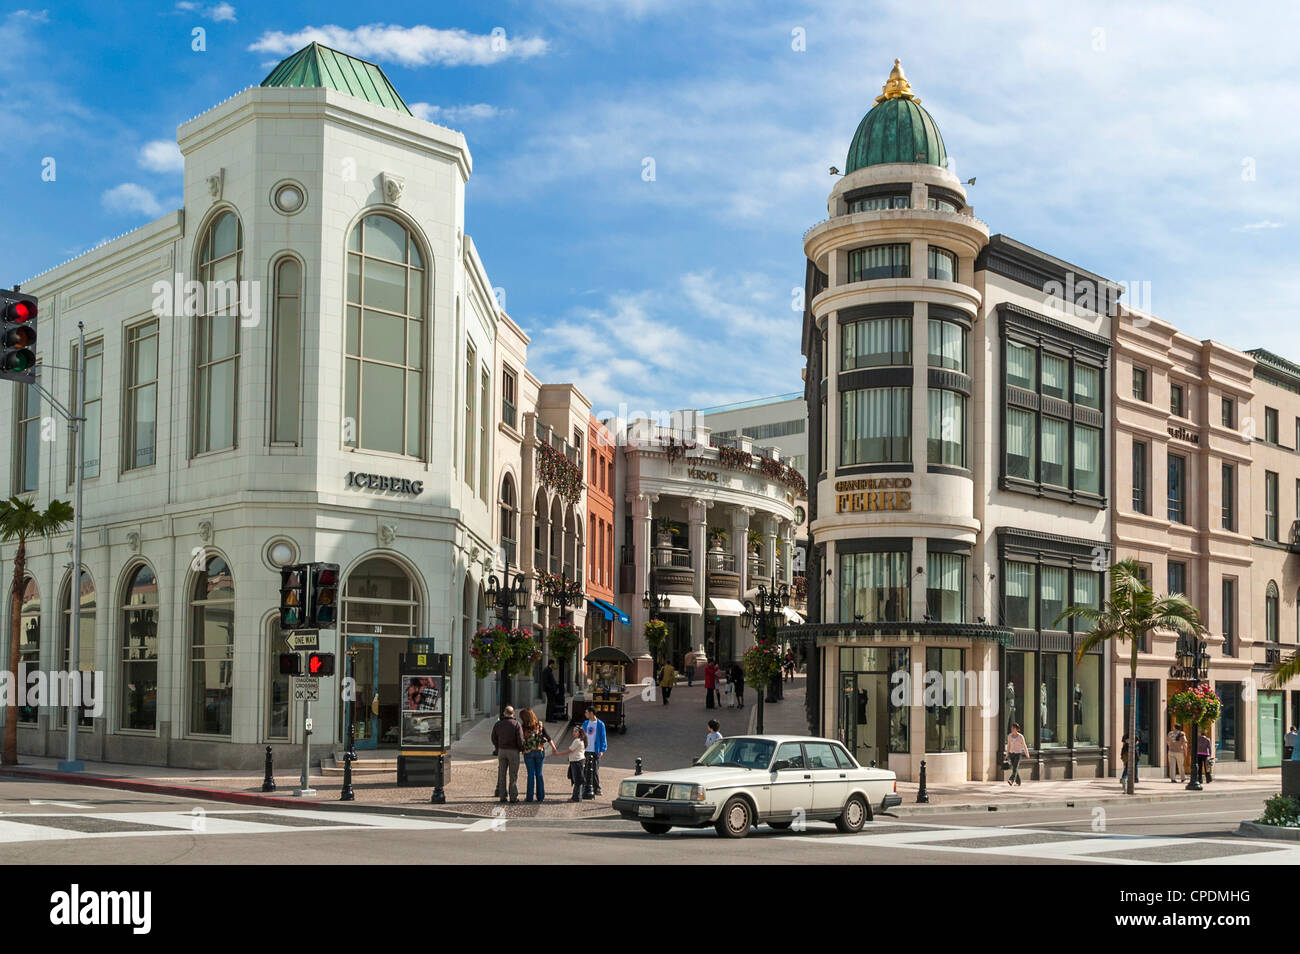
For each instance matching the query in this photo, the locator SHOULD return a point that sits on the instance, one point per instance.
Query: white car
(741, 781)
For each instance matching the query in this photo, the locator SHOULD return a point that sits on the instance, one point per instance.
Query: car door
(830, 782)
(791, 787)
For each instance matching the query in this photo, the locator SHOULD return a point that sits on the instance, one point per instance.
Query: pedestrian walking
(738, 680)
(690, 671)
(536, 739)
(710, 684)
(577, 757)
(554, 693)
(508, 739)
(667, 679)
(1288, 743)
(1124, 757)
(725, 689)
(715, 733)
(596, 743)
(1017, 749)
(1204, 749)
(1177, 755)
(789, 664)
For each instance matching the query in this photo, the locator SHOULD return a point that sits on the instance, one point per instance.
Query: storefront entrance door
(1146, 707)
(864, 716)
(365, 674)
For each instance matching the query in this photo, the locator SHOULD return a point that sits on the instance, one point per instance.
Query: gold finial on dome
(897, 86)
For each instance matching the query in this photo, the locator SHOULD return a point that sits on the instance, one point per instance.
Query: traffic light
(17, 337)
(320, 664)
(293, 597)
(324, 595)
(290, 664)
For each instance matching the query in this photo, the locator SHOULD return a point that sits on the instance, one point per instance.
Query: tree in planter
(656, 635)
(20, 520)
(1132, 611)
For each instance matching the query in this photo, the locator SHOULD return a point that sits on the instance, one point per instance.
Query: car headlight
(686, 793)
(627, 790)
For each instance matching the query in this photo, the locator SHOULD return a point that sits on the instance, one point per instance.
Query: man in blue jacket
(596, 744)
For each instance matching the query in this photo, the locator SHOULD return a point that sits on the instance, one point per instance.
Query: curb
(1064, 802)
(255, 798)
(1256, 830)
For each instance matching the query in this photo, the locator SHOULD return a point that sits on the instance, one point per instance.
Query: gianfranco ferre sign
(397, 485)
(873, 493)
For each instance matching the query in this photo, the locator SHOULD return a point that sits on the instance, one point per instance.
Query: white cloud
(162, 155)
(409, 46)
(129, 197)
(217, 12)
(455, 114)
(1258, 226)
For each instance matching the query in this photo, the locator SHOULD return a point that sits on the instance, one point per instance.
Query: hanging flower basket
(554, 585)
(762, 662)
(800, 587)
(1197, 705)
(497, 649)
(558, 473)
(563, 639)
(656, 634)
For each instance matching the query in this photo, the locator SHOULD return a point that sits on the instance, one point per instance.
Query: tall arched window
(216, 336)
(286, 352)
(383, 377)
(140, 650)
(212, 649)
(1270, 612)
(509, 516)
(279, 696)
(85, 638)
(380, 600)
(29, 642)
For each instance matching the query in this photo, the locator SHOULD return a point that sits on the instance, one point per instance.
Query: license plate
(646, 811)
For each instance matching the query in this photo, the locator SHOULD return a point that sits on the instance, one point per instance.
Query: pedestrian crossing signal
(290, 664)
(320, 664)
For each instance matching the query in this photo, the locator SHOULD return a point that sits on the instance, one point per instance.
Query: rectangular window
(1141, 453)
(484, 457)
(1229, 497)
(1177, 502)
(471, 360)
(1020, 581)
(286, 353)
(946, 440)
(876, 426)
(1229, 599)
(1177, 577)
(140, 410)
(1052, 594)
(1056, 699)
(880, 261)
(1022, 366)
(1229, 414)
(509, 400)
(875, 587)
(1270, 506)
(1056, 375)
(1140, 383)
(1087, 459)
(1225, 734)
(878, 203)
(943, 722)
(1176, 407)
(1087, 386)
(945, 587)
(947, 345)
(876, 343)
(942, 265)
(94, 412)
(1018, 693)
(1087, 701)
(27, 436)
(1054, 453)
(1270, 425)
(1022, 444)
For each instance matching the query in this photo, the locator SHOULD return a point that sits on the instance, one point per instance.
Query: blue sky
(1146, 142)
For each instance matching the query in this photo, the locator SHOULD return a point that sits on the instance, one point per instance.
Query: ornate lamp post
(507, 595)
(762, 615)
(653, 602)
(568, 593)
(1193, 657)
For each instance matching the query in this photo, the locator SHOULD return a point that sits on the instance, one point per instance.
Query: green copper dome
(897, 129)
(319, 66)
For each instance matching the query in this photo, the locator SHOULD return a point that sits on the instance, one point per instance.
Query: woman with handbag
(536, 739)
(1017, 749)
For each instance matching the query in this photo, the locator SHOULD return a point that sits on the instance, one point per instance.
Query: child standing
(714, 733)
(577, 757)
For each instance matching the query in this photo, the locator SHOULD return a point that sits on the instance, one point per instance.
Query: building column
(769, 548)
(787, 547)
(642, 544)
(698, 513)
(740, 544)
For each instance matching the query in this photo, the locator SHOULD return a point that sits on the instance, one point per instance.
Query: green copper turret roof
(896, 129)
(319, 66)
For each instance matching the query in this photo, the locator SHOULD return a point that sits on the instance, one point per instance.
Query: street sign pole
(306, 790)
(77, 423)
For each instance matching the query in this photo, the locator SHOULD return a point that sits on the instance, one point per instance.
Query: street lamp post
(762, 616)
(507, 595)
(1194, 664)
(653, 603)
(566, 594)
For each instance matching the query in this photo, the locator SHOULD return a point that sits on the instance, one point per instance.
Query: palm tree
(19, 520)
(1285, 671)
(1132, 611)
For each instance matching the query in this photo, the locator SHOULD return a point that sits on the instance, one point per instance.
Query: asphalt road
(56, 823)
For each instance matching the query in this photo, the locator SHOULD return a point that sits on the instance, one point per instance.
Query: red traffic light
(20, 311)
(320, 664)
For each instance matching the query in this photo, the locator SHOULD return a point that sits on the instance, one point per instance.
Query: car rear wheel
(779, 826)
(736, 820)
(856, 814)
(656, 828)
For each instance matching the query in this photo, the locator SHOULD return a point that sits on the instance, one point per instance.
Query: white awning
(679, 603)
(791, 616)
(726, 607)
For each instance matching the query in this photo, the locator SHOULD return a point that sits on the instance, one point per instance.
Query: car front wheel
(856, 814)
(736, 820)
(656, 828)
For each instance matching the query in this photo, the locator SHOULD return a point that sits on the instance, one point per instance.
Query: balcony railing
(1272, 655)
(672, 556)
(722, 561)
(511, 550)
(509, 413)
(1293, 538)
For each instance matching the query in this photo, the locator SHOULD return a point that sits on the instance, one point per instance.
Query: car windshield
(740, 752)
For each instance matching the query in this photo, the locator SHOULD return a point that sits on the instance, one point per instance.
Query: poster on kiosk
(425, 684)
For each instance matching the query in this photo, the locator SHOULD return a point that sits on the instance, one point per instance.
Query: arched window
(140, 650)
(85, 638)
(509, 530)
(1270, 612)
(216, 336)
(29, 642)
(380, 600)
(212, 649)
(286, 352)
(383, 379)
(279, 696)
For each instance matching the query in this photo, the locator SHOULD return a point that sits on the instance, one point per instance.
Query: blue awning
(601, 608)
(611, 611)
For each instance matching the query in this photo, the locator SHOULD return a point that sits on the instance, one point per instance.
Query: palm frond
(1285, 671)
